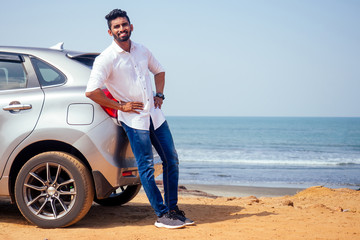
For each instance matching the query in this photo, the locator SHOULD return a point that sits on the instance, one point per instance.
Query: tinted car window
(87, 60)
(47, 74)
(12, 75)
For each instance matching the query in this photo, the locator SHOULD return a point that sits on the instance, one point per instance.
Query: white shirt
(126, 75)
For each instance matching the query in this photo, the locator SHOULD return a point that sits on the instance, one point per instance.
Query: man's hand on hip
(132, 107)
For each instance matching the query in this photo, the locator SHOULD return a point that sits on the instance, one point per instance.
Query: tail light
(110, 111)
(128, 174)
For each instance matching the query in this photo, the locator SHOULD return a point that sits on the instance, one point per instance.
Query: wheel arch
(40, 147)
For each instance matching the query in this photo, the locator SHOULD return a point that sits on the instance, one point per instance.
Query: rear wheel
(54, 189)
(121, 196)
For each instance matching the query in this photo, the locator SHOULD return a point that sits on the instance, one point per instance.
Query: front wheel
(54, 189)
(120, 196)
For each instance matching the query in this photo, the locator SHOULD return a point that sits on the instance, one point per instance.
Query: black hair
(115, 14)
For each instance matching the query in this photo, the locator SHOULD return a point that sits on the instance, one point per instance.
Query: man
(124, 68)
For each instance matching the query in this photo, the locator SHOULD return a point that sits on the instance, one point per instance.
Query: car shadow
(9, 213)
(136, 214)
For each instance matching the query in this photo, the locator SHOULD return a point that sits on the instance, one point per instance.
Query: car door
(21, 101)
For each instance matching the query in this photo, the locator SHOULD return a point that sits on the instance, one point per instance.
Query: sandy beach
(221, 212)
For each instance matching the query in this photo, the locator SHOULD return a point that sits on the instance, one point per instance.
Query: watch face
(160, 95)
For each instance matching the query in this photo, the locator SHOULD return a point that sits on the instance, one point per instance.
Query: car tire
(120, 196)
(54, 189)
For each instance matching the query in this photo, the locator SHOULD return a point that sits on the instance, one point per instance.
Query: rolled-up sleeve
(154, 65)
(99, 73)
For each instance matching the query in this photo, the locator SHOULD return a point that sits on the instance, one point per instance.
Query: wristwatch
(160, 95)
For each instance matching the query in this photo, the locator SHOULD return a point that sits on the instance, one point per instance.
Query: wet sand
(243, 191)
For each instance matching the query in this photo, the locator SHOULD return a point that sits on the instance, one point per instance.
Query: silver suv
(59, 151)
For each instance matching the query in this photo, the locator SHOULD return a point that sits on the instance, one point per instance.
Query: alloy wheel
(49, 190)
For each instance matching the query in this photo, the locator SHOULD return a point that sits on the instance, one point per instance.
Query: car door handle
(17, 107)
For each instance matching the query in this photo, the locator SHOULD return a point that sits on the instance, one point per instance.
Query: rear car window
(12, 75)
(86, 59)
(47, 74)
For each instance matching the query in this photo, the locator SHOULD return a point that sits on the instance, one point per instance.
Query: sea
(295, 152)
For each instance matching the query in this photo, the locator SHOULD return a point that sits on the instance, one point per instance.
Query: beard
(124, 38)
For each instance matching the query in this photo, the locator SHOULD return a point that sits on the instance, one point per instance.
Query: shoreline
(207, 190)
(241, 191)
(213, 191)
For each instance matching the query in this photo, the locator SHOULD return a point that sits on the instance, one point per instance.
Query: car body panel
(62, 116)
(17, 124)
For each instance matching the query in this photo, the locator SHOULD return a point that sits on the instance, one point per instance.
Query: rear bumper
(111, 159)
(128, 177)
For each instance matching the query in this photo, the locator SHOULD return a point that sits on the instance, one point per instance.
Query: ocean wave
(269, 151)
(273, 162)
(264, 157)
(347, 163)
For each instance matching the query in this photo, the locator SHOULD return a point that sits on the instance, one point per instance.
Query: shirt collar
(120, 50)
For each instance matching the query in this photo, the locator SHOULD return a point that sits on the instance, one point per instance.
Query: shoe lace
(179, 212)
(172, 215)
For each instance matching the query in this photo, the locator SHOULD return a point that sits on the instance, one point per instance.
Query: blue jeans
(141, 142)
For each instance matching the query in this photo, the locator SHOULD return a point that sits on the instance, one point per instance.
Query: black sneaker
(169, 220)
(181, 215)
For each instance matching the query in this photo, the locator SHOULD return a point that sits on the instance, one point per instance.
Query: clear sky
(222, 58)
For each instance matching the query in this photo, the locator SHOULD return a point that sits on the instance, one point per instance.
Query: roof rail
(59, 46)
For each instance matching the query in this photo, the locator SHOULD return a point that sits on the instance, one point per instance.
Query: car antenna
(59, 46)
